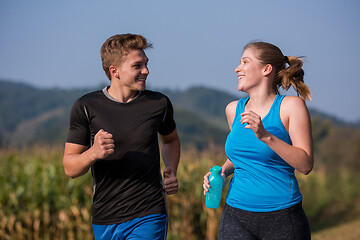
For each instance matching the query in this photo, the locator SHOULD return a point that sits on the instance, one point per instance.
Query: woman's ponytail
(293, 75)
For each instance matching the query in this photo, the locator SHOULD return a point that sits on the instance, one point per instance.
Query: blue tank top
(262, 180)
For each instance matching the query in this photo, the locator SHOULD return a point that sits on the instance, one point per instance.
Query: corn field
(38, 201)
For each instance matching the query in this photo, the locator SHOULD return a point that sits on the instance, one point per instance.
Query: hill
(29, 115)
(207, 103)
(32, 116)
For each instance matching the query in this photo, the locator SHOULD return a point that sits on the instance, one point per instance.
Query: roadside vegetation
(38, 201)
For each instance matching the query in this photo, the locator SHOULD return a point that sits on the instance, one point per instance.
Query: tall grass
(38, 201)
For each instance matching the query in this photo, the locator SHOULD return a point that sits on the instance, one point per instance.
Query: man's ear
(267, 69)
(114, 72)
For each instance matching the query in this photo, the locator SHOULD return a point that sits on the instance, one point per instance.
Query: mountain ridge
(30, 115)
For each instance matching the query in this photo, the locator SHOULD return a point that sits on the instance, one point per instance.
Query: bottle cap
(216, 169)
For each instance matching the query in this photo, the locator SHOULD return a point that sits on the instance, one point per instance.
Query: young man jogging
(114, 132)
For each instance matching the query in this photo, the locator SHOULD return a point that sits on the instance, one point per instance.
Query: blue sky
(57, 43)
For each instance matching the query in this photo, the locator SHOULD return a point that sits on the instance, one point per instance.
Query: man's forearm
(170, 152)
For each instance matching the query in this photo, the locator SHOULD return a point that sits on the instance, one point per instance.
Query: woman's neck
(260, 103)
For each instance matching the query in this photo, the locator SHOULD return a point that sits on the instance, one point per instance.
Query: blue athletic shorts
(149, 227)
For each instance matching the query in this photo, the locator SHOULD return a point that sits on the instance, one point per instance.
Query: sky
(56, 44)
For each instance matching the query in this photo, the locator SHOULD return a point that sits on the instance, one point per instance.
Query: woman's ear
(267, 69)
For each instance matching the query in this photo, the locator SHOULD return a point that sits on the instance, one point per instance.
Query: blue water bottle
(213, 196)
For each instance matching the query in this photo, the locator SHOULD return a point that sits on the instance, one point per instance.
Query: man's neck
(124, 95)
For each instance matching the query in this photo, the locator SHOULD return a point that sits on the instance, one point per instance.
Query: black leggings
(290, 223)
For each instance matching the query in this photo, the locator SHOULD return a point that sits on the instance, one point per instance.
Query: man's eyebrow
(141, 61)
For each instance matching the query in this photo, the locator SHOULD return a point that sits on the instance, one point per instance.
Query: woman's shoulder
(293, 102)
(232, 104)
(293, 106)
(231, 107)
(230, 112)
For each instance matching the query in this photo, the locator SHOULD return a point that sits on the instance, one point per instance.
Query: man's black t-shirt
(128, 183)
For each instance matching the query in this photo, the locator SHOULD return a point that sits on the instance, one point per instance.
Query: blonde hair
(116, 48)
(285, 77)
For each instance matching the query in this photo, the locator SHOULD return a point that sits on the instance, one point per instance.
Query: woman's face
(249, 71)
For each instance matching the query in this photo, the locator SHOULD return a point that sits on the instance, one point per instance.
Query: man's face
(133, 72)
